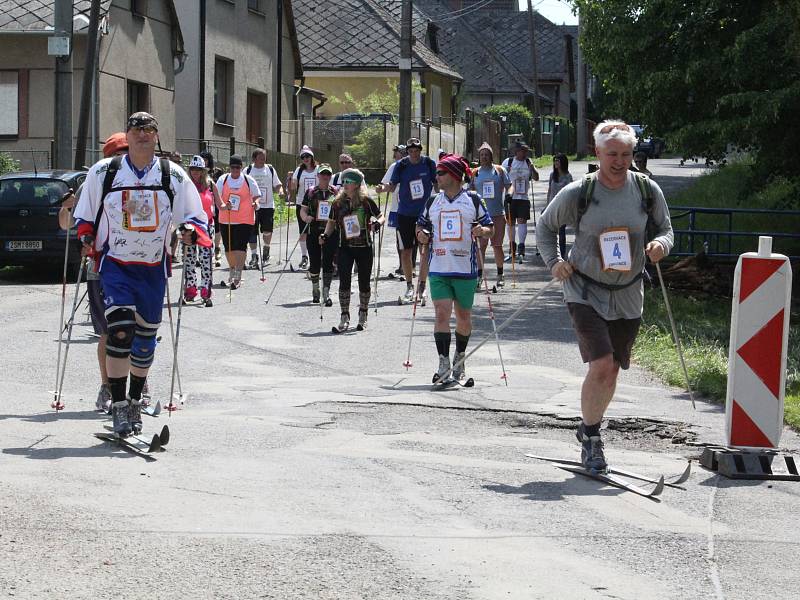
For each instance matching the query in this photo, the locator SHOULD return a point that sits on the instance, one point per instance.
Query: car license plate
(24, 245)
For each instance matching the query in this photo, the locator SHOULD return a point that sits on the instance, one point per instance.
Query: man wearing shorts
(268, 183)
(520, 171)
(451, 222)
(239, 195)
(414, 177)
(491, 182)
(616, 229)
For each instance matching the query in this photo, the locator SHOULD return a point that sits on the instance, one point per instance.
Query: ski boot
(362, 319)
(303, 263)
(254, 263)
(189, 294)
(444, 367)
(265, 256)
(103, 402)
(326, 297)
(344, 324)
(119, 415)
(135, 416)
(458, 368)
(592, 456)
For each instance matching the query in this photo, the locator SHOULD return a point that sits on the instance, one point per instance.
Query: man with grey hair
(620, 219)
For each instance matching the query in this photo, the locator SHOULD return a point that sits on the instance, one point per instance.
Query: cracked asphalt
(308, 465)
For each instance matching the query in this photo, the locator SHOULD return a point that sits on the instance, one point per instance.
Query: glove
(376, 226)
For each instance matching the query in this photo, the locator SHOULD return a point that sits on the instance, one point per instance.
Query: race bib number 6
(450, 226)
(615, 249)
(417, 189)
(351, 227)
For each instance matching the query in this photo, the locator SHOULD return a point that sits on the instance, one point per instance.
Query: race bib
(234, 201)
(450, 226)
(141, 210)
(309, 182)
(487, 189)
(417, 189)
(615, 250)
(323, 211)
(520, 186)
(351, 227)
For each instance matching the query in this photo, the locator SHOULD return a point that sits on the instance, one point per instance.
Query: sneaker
(409, 295)
(458, 369)
(444, 367)
(205, 293)
(421, 299)
(501, 280)
(236, 284)
(265, 256)
(119, 415)
(304, 263)
(190, 293)
(362, 319)
(254, 262)
(135, 416)
(592, 456)
(208, 303)
(507, 258)
(103, 402)
(520, 259)
(315, 296)
(344, 322)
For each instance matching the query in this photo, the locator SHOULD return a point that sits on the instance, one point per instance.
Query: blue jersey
(414, 183)
(490, 183)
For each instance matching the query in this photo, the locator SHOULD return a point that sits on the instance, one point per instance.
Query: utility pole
(405, 72)
(62, 114)
(580, 129)
(537, 105)
(88, 82)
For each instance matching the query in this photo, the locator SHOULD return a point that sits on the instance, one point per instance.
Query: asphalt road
(309, 465)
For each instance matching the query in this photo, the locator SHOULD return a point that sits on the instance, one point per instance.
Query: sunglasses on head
(610, 128)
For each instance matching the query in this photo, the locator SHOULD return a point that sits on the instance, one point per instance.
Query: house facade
(140, 50)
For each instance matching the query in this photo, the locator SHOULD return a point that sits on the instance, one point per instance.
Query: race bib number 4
(615, 249)
(417, 189)
(323, 211)
(450, 226)
(234, 201)
(141, 210)
(487, 189)
(351, 227)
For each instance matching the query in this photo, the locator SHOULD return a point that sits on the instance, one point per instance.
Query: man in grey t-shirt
(602, 277)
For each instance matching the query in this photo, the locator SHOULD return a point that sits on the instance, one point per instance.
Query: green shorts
(453, 288)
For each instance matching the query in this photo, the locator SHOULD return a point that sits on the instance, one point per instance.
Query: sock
(499, 270)
(422, 287)
(522, 233)
(461, 342)
(480, 274)
(117, 387)
(592, 430)
(304, 248)
(136, 387)
(442, 342)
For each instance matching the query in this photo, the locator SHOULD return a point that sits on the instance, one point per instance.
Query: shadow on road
(556, 490)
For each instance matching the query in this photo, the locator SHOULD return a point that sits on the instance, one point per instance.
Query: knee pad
(121, 328)
(143, 348)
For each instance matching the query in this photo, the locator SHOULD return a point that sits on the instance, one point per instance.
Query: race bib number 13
(417, 189)
(615, 250)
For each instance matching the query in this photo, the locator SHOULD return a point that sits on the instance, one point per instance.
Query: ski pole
(511, 244)
(380, 247)
(61, 324)
(174, 338)
(57, 403)
(497, 331)
(230, 267)
(261, 254)
(504, 377)
(283, 270)
(675, 334)
(408, 362)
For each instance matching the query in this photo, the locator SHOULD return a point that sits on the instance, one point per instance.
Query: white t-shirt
(135, 226)
(387, 179)
(305, 181)
(520, 173)
(453, 251)
(267, 179)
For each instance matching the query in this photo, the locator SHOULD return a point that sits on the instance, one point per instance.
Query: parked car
(29, 231)
(652, 146)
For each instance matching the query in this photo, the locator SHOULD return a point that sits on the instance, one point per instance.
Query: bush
(8, 164)
(518, 119)
(368, 150)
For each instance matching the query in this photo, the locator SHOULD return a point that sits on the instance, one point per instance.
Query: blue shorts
(138, 287)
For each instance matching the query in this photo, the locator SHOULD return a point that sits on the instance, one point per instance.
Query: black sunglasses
(442, 172)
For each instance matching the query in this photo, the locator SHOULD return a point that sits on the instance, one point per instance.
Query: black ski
(675, 482)
(163, 437)
(133, 447)
(154, 444)
(618, 482)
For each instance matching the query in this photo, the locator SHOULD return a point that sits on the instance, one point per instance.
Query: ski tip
(469, 382)
(659, 487)
(685, 475)
(494, 289)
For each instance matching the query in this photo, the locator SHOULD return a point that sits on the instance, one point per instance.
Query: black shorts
(407, 231)
(236, 236)
(598, 337)
(521, 209)
(97, 306)
(265, 217)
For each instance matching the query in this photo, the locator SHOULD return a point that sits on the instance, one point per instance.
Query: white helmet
(197, 162)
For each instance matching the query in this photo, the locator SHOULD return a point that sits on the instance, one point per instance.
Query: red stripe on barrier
(756, 271)
(762, 353)
(744, 432)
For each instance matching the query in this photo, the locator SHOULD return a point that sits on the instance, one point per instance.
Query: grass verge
(703, 326)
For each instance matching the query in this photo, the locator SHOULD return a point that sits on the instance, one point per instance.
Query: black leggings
(361, 256)
(320, 255)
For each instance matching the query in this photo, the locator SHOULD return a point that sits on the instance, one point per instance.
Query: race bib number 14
(615, 250)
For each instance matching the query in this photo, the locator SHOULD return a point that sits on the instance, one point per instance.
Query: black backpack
(111, 173)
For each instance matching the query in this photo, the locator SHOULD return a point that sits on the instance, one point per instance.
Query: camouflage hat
(142, 119)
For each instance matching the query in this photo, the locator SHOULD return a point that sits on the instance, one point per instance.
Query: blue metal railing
(719, 242)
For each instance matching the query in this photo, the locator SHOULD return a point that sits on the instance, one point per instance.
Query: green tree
(705, 73)
(8, 164)
(518, 119)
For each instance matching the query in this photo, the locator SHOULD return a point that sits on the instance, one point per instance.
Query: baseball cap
(115, 142)
(325, 168)
(235, 161)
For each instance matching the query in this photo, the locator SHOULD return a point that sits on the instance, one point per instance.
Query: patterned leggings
(190, 261)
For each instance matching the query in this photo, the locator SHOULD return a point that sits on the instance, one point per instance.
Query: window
(139, 7)
(254, 5)
(9, 103)
(223, 91)
(138, 97)
(256, 107)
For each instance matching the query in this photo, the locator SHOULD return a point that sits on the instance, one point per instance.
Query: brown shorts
(598, 337)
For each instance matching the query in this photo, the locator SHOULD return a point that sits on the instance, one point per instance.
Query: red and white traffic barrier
(762, 288)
